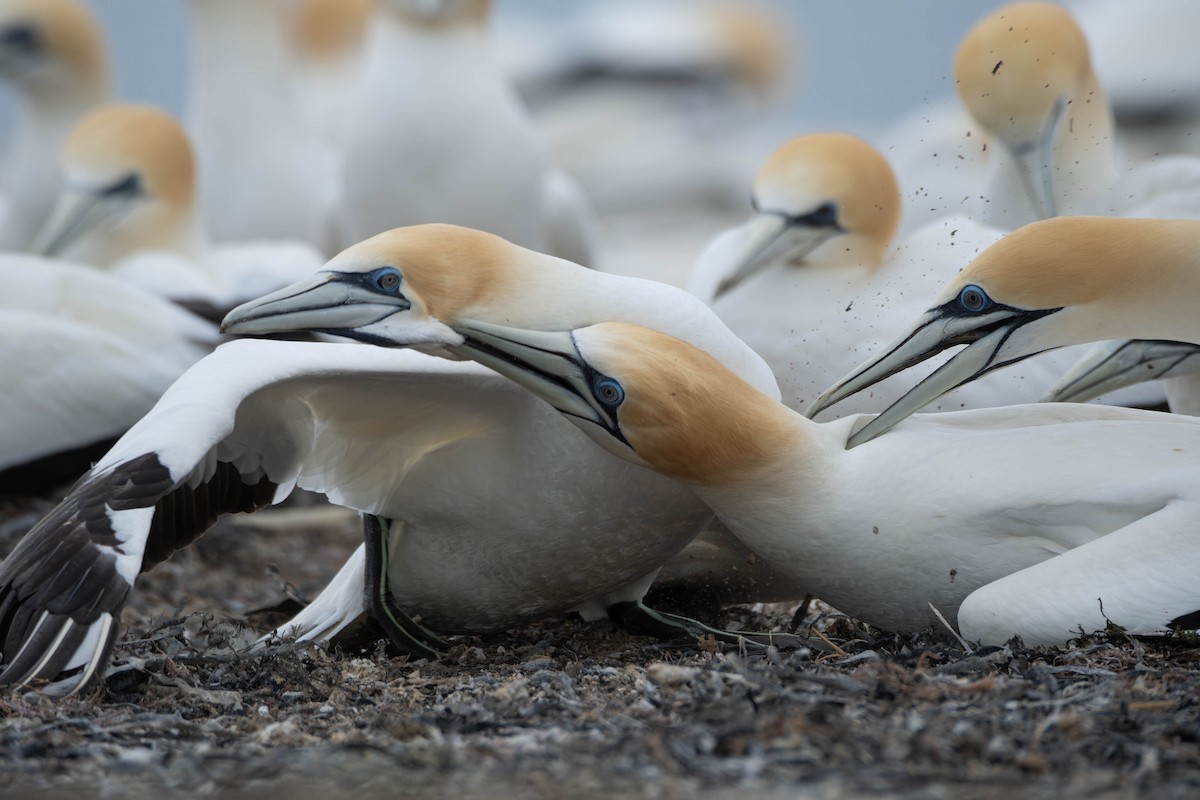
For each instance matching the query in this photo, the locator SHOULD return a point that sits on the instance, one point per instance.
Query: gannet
(268, 175)
(813, 281)
(1127, 362)
(1025, 74)
(52, 53)
(129, 206)
(494, 508)
(328, 39)
(84, 356)
(971, 513)
(440, 136)
(1058, 282)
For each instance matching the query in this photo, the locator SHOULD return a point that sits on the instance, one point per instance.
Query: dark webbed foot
(407, 634)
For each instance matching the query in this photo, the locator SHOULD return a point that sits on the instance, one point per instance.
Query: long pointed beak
(1114, 365)
(766, 238)
(75, 214)
(990, 344)
(327, 302)
(546, 363)
(1035, 165)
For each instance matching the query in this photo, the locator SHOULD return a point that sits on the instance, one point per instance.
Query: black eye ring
(974, 299)
(387, 280)
(609, 392)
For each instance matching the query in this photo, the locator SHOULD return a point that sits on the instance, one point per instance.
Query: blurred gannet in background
(1043, 521)
(1025, 74)
(263, 173)
(439, 135)
(128, 206)
(52, 53)
(84, 356)
(1058, 282)
(813, 281)
(328, 39)
(494, 508)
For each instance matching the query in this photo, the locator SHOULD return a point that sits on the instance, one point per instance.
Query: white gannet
(327, 39)
(1127, 362)
(52, 53)
(264, 173)
(439, 135)
(128, 206)
(84, 356)
(813, 281)
(1025, 74)
(971, 513)
(1058, 282)
(494, 509)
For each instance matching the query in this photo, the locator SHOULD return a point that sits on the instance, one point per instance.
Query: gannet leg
(638, 618)
(405, 632)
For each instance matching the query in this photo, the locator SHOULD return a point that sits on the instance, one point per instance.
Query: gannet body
(269, 176)
(437, 449)
(128, 207)
(974, 513)
(52, 53)
(85, 356)
(440, 136)
(1058, 282)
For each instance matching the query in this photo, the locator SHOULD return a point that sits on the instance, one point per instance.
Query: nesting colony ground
(567, 709)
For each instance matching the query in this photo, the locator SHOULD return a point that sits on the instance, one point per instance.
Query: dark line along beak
(772, 234)
(336, 303)
(546, 363)
(1035, 165)
(987, 336)
(1115, 365)
(78, 212)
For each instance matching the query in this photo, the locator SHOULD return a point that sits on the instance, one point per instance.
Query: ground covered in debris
(567, 709)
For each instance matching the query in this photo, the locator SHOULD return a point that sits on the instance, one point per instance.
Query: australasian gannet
(52, 53)
(490, 501)
(128, 206)
(439, 135)
(969, 514)
(1058, 282)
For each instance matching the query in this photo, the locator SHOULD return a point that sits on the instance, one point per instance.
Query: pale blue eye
(386, 279)
(609, 392)
(973, 299)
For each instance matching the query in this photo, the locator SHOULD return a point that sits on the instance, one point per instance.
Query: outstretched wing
(236, 432)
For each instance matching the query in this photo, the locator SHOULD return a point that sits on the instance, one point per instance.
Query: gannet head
(441, 13)
(1017, 71)
(51, 45)
(129, 185)
(1053, 283)
(407, 287)
(819, 188)
(326, 30)
(643, 395)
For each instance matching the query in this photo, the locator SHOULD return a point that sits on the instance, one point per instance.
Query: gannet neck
(689, 417)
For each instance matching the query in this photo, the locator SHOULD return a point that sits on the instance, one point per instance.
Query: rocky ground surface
(567, 709)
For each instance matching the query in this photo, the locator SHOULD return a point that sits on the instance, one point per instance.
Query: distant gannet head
(328, 30)
(1058, 282)
(643, 395)
(1025, 75)
(129, 185)
(49, 47)
(821, 188)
